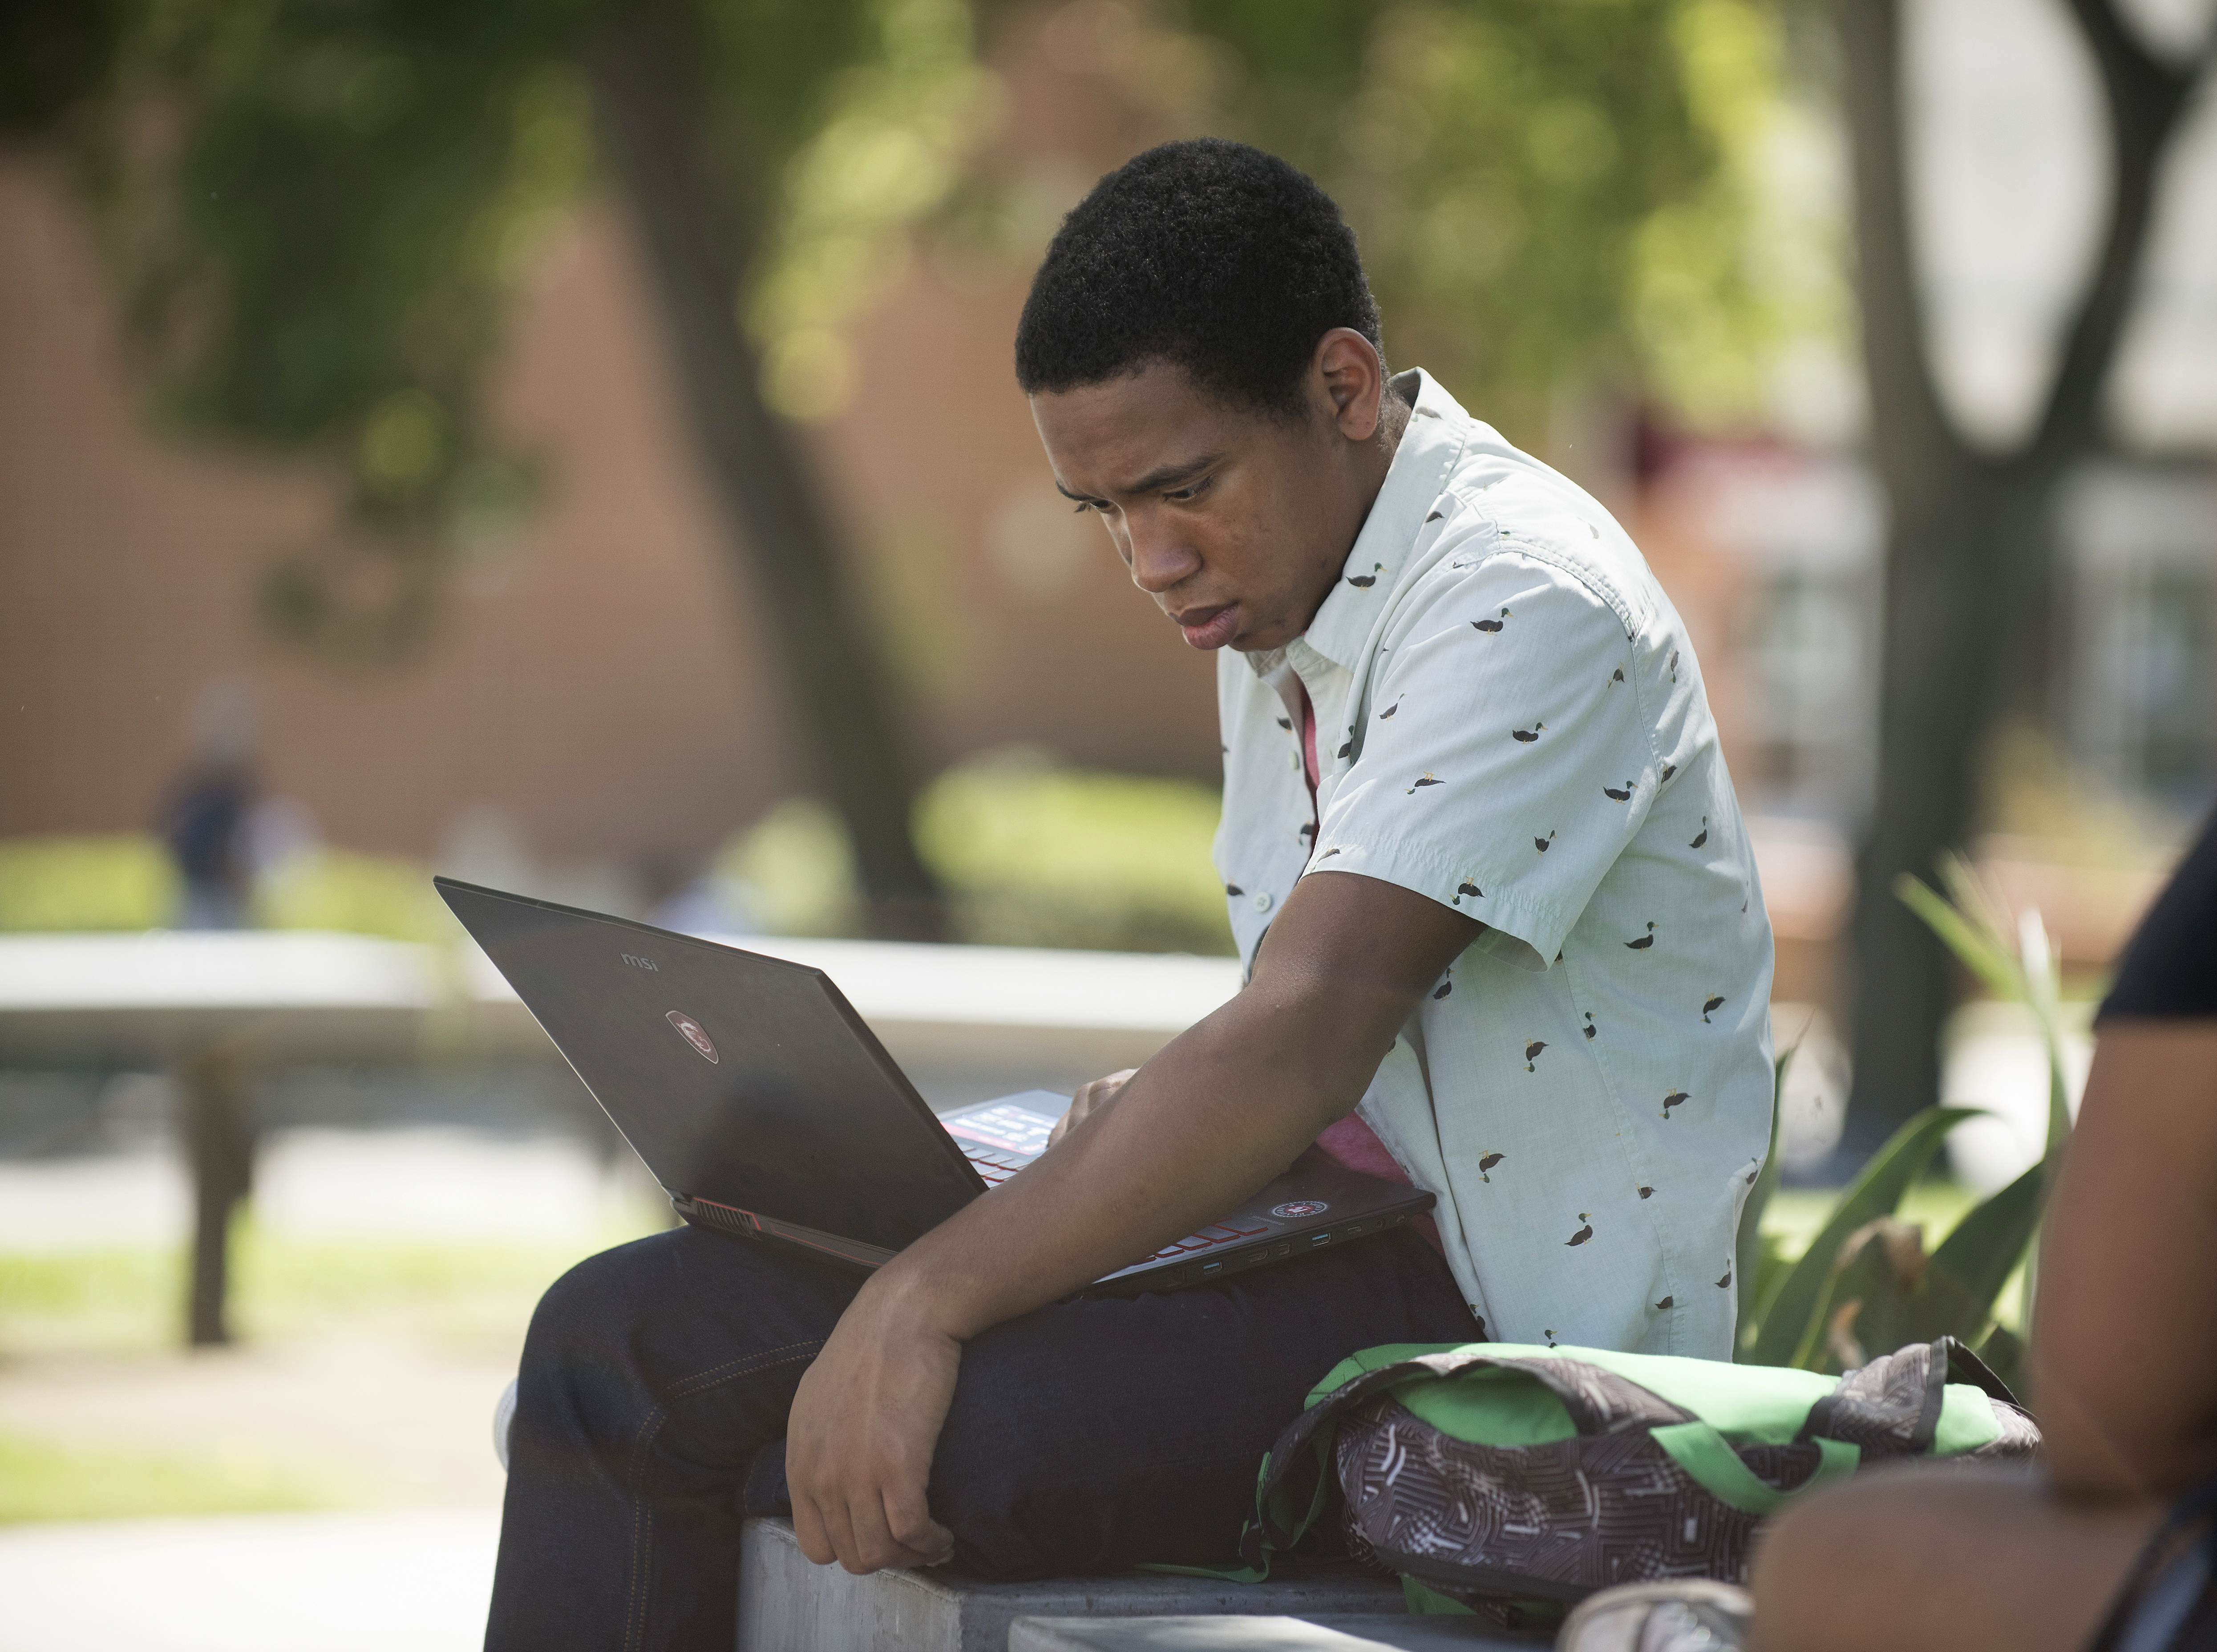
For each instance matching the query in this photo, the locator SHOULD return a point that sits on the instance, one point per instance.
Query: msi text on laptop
(767, 1109)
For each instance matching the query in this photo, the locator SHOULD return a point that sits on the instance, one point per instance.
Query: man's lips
(1208, 628)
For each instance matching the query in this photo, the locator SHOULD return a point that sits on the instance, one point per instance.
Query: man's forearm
(1219, 1112)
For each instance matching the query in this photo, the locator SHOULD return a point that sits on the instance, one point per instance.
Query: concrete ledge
(788, 1604)
(1365, 1632)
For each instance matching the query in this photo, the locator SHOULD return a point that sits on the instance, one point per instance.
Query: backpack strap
(1964, 1366)
(1891, 1408)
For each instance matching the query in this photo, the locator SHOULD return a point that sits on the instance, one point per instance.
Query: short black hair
(1210, 255)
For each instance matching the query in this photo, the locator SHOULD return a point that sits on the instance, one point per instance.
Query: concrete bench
(787, 1604)
(1359, 1633)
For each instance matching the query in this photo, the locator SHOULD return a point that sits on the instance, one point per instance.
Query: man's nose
(1160, 555)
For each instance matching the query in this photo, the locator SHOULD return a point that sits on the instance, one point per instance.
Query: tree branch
(2146, 97)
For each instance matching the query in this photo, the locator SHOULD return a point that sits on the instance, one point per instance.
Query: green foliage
(359, 895)
(320, 234)
(54, 56)
(471, 1299)
(46, 1479)
(1040, 857)
(795, 869)
(1866, 1284)
(319, 252)
(57, 885)
(1977, 931)
(887, 149)
(1789, 1325)
(464, 1294)
(1030, 855)
(1548, 193)
(126, 880)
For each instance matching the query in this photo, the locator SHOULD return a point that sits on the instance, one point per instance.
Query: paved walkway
(249, 1583)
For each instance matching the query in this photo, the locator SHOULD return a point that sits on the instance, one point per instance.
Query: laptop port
(1319, 1239)
(1210, 1270)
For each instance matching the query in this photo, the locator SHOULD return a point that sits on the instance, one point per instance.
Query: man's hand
(1224, 1107)
(859, 1440)
(1091, 1098)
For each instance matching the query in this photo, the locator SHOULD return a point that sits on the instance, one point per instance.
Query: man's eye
(1084, 505)
(1192, 493)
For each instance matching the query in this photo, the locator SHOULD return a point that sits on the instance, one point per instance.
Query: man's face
(1235, 522)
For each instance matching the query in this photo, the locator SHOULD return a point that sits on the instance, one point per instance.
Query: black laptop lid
(740, 1079)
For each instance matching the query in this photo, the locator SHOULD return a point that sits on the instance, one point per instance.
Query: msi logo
(638, 963)
(695, 1034)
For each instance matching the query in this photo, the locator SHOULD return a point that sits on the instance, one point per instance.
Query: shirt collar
(1430, 446)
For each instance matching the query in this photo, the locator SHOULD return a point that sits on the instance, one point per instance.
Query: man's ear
(1352, 376)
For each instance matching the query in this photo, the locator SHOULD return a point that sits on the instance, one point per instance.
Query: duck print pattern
(1494, 701)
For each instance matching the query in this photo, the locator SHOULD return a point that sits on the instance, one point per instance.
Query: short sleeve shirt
(1511, 722)
(2167, 973)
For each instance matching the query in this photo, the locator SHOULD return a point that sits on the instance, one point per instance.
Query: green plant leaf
(1747, 1252)
(1974, 1262)
(1789, 1326)
(1984, 952)
(1870, 1297)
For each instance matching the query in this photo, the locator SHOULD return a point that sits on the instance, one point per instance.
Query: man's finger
(909, 1518)
(873, 1545)
(1091, 1096)
(810, 1532)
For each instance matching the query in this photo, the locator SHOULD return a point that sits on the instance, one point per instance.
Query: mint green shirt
(1510, 721)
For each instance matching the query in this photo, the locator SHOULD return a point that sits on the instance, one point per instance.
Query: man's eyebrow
(1161, 477)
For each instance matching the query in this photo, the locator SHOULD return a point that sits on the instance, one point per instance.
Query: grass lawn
(112, 1318)
(462, 1294)
(40, 1480)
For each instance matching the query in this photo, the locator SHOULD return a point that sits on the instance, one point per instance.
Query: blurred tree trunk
(1969, 557)
(695, 247)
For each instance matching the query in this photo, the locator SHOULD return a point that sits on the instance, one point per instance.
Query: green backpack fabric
(1518, 1479)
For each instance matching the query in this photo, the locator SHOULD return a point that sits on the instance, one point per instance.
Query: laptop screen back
(740, 1079)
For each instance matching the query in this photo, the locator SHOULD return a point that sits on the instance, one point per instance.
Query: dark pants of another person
(1086, 1437)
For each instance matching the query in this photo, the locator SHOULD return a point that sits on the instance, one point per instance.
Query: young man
(1503, 939)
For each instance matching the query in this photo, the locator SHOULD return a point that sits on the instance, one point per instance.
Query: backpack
(1514, 1480)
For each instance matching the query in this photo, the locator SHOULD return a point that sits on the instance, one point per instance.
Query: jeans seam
(686, 1387)
(637, 1597)
(642, 1550)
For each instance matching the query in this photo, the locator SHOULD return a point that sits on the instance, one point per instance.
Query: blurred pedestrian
(208, 822)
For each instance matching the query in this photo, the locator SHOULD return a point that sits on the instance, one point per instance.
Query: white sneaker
(1694, 1614)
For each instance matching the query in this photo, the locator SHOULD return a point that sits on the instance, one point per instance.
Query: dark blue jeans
(1086, 1437)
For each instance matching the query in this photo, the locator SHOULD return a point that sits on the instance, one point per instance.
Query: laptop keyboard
(1017, 1137)
(994, 1165)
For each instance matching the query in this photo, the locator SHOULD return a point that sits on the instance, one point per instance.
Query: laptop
(768, 1110)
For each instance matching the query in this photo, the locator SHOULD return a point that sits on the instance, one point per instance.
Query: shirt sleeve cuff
(1524, 933)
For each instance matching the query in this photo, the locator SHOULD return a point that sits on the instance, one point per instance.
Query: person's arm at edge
(1222, 1109)
(2124, 1338)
